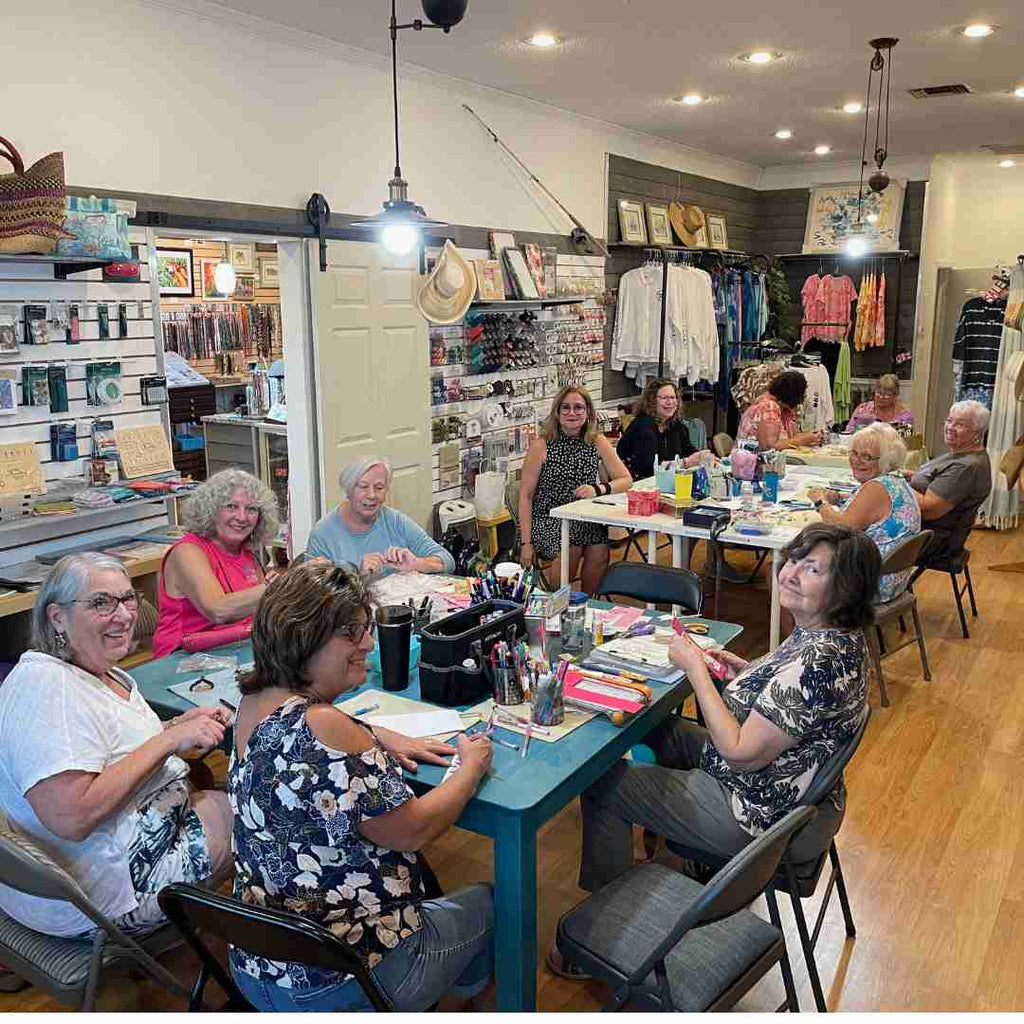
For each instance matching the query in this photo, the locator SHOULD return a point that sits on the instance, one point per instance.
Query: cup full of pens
(509, 665)
(516, 587)
(546, 703)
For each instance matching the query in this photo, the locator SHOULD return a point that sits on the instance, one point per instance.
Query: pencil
(367, 709)
(227, 704)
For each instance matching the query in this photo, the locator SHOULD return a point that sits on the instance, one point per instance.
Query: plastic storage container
(574, 622)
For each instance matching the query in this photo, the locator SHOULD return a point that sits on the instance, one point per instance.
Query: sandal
(11, 982)
(557, 964)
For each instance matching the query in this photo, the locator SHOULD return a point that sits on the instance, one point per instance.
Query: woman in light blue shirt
(365, 532)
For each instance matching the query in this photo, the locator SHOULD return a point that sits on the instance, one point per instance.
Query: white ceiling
(624, 59)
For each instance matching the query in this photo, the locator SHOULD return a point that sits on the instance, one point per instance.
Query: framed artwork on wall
(834, 211)
(631, 222)
(210, 289)
(526, 287)
(245, 288)
(269, 273)
(242, 256)
(174, 272)
(718, 235)
(658, 226)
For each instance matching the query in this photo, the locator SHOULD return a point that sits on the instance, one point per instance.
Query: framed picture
(269, 273)
(658, 226)
(526, 287)
(245, 288)
(536, 264)
(549, 254)
(834, 212)
(242, 256)
(210, 290)
(718, 236)
(174, 272)
(500, 241)
(489, 280)
(631, 222)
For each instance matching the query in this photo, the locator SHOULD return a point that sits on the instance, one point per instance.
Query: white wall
(147, 97)
(831, 172)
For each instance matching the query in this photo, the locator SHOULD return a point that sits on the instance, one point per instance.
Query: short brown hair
(853, 576)
(649, 399)
(552, 429)
(299, 612)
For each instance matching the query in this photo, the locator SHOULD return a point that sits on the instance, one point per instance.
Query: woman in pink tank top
(211, 578)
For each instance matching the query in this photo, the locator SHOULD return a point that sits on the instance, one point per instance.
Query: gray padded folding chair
(70, 969)
(664, 942)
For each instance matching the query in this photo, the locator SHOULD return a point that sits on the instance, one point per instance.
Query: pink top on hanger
(178, 615)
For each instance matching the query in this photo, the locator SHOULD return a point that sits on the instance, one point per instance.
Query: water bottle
(748, 499)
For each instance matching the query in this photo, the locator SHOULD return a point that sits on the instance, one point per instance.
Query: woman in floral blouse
(775, 723)
(771, 421)
(325, 824)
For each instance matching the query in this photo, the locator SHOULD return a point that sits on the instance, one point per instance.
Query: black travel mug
(394, 634)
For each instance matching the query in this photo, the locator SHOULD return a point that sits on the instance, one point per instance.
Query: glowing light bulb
(822, 150)
(1019, 92)
(784, 133)
(693, 99)
(856, 246)
(1007, 163)
(978, 31)
(400, 239)
(224, 279)
(543, 40)
(852, 108)
(760, 57)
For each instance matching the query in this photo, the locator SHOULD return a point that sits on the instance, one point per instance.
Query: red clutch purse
(232, 633)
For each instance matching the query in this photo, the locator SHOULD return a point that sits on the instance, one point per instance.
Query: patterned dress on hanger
(570, 462)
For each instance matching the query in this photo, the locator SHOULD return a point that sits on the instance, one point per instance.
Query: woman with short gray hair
(883, 506)
(88, 771)
(211, 579)
(366, 532)
(884, 407)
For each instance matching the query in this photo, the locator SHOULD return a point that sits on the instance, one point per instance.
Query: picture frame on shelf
(269, 272)
(489, 280)
(210, 289)
(175, 273)
(242, 256)
(245, 288)
(536, 264)
(522, 279)
(658, 227)
(500, 241)
(718, 233)
(549, 255)
(631, 222)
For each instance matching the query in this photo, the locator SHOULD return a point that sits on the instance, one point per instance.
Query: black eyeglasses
(355, 631)
(105, 605)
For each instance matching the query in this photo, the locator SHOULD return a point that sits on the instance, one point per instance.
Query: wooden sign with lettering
(20, 471)
(144, 451)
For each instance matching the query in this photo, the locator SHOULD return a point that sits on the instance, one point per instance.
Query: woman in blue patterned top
(776, 722)
(325, 824)
(883, 506)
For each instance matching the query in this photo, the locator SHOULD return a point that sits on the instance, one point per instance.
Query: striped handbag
(31, 203)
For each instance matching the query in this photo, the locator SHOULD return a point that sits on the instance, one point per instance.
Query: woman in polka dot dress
(562, 465)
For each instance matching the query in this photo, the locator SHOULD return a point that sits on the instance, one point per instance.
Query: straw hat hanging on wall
(449, 290)
(688, 222)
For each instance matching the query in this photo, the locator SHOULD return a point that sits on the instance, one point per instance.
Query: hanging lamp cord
(864, 145)
(394, 80)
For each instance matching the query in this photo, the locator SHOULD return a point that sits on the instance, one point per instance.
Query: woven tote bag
(31, 203)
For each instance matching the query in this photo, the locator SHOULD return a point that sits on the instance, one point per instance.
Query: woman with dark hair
(325, 824)
(771, 420)
(564, 464)
(775, 723)
(656, 431)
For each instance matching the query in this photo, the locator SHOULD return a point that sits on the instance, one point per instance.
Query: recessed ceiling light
(784, 133)
(979, 30)
(1007, 163)
(543, 40)
(872, 218)
(1019, 93)
(692, 99)
(853, 108)
(822, 150)
(760, 57)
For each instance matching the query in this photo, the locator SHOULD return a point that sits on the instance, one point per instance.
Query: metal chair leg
(970, 590)
(959, 606)
(791, 1003)
(805, 939)
(844, 899)
(920, 642)
(876, 664)
(903, 624)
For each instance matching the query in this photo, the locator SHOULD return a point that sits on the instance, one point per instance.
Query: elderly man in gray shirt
(951, 487)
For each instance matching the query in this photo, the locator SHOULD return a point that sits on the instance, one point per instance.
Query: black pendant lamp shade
(446, 14)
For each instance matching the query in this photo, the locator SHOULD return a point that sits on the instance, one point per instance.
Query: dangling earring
(60, 641)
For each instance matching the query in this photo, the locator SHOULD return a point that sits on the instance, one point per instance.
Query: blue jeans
(453, 952)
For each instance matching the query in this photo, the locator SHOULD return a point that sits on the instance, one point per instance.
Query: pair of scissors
(697, 628)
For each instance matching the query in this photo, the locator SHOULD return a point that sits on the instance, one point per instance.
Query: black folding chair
(953, 559)
(273, 934)
(664, 942)
(654, 584)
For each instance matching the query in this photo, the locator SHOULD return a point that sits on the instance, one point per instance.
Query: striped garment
(978, 334)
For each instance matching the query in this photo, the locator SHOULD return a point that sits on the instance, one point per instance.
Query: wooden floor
(932, 846)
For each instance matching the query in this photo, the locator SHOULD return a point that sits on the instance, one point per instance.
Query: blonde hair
(552, 429)
(892, 452)
(889, 382)
(200, 512)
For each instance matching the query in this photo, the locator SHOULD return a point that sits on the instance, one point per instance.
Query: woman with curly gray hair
(212, 577)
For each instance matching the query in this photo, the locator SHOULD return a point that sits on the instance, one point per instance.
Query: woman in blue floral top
(883, 506)
(325, 824)
(776, 722)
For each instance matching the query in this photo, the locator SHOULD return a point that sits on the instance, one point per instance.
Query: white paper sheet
(419, 723)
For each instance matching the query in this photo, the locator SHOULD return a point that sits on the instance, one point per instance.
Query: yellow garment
(864, 332)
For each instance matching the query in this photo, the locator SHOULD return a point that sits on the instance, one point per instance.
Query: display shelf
(900, 254)
(562, 300)
(637, 246)
(62, 265)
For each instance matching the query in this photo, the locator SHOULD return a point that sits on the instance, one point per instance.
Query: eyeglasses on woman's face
(864, 456)
(355, 631)
(105, 605)
(572, 407)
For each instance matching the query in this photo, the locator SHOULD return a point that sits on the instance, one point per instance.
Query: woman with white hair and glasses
(212, 576)
(883, 506)
(366, 532)
(89, 772)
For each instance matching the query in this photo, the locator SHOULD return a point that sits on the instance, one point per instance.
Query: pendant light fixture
(224, 278)
(401, 223)
(881, 65)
